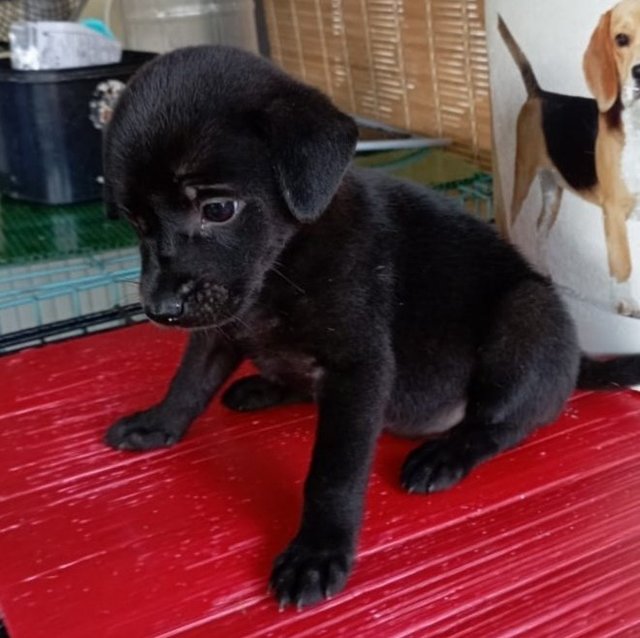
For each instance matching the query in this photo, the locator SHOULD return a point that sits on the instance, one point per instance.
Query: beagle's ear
(600, 66)
(311, 144)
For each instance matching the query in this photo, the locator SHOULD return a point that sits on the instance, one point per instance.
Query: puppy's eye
(622, 40)
(219, 210)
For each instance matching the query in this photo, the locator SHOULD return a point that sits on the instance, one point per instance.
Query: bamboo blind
(418, 64)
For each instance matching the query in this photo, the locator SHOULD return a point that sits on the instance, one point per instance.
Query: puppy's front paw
(141, 431)
(435, 466)
(303, 575)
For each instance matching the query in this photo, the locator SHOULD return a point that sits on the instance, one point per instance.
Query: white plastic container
(163, 25)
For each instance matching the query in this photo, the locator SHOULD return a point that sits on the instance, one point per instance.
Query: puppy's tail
(610, 373)
(528, 76)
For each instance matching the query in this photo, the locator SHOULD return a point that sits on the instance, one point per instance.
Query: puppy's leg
(526, 369)
(318, 560)
(257, 393)
(207, 362)
(441, 463)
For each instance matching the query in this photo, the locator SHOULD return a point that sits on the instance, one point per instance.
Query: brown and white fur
(591, 147)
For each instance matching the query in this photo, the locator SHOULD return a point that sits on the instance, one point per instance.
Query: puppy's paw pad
(257, 393)
(250, 393)
(433, 467)
(138, 432)
(302, 576)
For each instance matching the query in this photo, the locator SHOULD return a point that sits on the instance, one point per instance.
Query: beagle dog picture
(588, 146)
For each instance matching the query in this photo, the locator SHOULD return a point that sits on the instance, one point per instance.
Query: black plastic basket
(50, 133)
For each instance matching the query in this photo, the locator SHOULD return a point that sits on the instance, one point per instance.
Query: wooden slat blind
(418, 64)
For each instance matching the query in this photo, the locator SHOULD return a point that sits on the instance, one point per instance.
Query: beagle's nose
(164, 309)
(635, 72)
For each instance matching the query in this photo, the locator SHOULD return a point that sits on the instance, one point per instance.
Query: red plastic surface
(541, 541)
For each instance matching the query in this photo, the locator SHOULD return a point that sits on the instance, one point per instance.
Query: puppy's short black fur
(379, 299)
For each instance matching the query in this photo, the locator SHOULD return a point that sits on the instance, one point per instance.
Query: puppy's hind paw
(140, 431)
(433, 467)
(303, 576)
(257, 393)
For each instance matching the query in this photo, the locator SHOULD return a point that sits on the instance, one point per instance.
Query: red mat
(542, 541)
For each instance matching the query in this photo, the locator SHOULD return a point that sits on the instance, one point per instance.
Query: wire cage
(67, 270)
(58, 293)
(413, 66)
(444, 171)
(15, 10)
(63, 269)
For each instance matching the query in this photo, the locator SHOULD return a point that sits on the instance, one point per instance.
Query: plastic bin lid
(131, 61)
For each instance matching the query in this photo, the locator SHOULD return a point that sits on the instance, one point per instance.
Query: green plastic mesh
(34, 232)
(61, 262)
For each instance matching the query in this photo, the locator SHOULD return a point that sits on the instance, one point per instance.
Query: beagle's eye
(219, 210)
(622, 40)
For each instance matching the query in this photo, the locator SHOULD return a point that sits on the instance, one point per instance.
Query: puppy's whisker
(241, 321)
(289, 281)
(219, 330)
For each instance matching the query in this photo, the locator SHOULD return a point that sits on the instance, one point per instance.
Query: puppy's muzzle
(189, 305)
(165, 308)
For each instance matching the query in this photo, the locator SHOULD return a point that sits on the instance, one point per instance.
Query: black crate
(50, 135)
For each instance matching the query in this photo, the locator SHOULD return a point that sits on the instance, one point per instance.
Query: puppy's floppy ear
(311, 144)
(599, 65)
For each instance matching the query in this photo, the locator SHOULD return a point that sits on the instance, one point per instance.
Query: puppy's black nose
(165, 310)
(635, 72)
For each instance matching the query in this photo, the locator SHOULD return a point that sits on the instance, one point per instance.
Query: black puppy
(382, 301)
